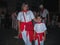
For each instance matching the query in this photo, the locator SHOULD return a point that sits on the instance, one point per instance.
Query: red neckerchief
(24, 10)
(23, 14)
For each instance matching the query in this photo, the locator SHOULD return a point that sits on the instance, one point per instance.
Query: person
(25, 25)
(40, 31)
(14, 20)
(2, 19)
(14, 23)
(45, 14)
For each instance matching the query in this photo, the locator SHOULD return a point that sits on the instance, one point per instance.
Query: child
(40, 31)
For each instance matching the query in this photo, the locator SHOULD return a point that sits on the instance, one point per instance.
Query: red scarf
(24, 10)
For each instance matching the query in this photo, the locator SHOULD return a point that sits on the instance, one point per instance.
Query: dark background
(51, 5)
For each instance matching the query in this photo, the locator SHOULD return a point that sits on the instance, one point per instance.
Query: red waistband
(39, 36)
(29, 25)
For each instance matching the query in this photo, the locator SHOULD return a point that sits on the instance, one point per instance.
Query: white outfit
(39, 28)
(28, 17)
(26, 38)
(44, 13)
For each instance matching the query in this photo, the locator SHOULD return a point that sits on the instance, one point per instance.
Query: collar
(24, 10)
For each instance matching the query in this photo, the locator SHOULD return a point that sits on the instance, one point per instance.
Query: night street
(21, 15)
(7, 37)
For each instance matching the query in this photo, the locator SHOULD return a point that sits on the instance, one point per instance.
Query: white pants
(26, 38)
(41, 42)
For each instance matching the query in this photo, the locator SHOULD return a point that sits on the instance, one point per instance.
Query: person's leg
(24, 37)
(36, 42)
(28, 41)
(41, 42)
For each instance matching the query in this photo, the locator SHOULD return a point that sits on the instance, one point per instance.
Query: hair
(39, 16)
(24, 3)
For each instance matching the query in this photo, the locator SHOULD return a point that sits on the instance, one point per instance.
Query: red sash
(39, 36)
(28, 28)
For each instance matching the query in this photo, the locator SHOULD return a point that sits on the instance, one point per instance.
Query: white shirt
(28, 16)
(40, 28)
(44, 13)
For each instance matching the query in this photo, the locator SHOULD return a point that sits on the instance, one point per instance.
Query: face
(25, 7)
(39, 19)
(41, 8)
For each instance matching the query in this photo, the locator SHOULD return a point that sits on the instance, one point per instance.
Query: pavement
(7, 37)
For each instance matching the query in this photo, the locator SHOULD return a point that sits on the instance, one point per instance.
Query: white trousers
(26, 38)
(41, 42)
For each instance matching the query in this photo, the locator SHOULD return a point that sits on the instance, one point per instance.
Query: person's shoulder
(29, 11)
(43, 23)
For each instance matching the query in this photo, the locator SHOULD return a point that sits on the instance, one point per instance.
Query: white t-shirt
(28, 16)
(44, 13)
(40, 28)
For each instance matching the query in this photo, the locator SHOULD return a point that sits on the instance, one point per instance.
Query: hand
(19, 33)
(44, 39)
(34, 35)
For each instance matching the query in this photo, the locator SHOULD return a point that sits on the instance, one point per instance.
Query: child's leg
(41, 42)
(36, 42)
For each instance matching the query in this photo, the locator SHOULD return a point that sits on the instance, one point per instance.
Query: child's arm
(34, 31)
(44, 35)
(34, 35)
(19, 27)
